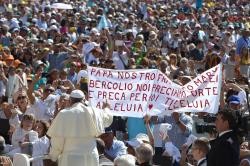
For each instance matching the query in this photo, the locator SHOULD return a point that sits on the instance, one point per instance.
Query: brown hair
(45, 126)
(28, 117)
(202, 145)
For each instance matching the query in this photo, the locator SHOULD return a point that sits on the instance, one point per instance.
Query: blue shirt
(135, 126)
(118, 148)
(56, 60)
(72, 78)
(242, 42)
(5, 41)
(42, 24)
(175, 134)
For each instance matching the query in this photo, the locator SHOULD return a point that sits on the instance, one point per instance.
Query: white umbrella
(61, 6)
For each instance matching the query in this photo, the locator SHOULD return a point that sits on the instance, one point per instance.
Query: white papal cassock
(73, 133)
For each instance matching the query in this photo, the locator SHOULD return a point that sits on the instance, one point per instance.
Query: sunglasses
(21, 97)
(49, 90)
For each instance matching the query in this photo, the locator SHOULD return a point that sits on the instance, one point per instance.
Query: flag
(103, 23)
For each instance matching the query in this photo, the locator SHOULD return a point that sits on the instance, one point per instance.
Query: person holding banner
(74, 142)
(181, 127)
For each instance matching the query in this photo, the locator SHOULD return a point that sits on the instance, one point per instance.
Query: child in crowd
(25, 128)
(200, 148)
(41, 145)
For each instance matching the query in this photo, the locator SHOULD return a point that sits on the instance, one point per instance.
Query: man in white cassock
(74, 130)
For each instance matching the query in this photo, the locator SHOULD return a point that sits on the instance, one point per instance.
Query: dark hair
(45, 126)
(226, 115)
(100, 145)
(63, 22)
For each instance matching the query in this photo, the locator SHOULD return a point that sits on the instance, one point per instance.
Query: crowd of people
(44, 53)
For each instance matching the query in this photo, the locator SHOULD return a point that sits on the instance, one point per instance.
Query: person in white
(73, 133)
(14, 84)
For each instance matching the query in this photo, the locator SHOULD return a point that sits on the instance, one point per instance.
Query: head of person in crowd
(76, 96)
(200, 148)
(245, 32)
(225, 121)
(72, 68)
(21, 99)
(6, 161)
(63, 75)
(183, 63)
(28, 122)
(108, 137)
(48, 90)
(125, 160)
(144, 154)
(163, 66)
(53, 75)
(5, 107)
(132, 145)
(64, 100)
(234, 103)
(41, 127)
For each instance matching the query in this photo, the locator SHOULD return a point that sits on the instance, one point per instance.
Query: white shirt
(44, 110)
(13, 85)
(224, 132)
(40, 148)
(19, 136)
(2, 88)
(157, 139)
(203, 164)
(243, 97)
(173, 151)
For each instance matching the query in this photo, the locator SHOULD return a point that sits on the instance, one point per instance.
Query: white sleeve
(57, 144)
(14, 121)
(16, 137)
(243, 97)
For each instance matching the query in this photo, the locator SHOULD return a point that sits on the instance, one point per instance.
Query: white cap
(78, 94)
(142, 137)
(53, 21)
(50, 41)
(53, 27)
(164, 128)
(94, 31)
(81, 74)
(134, 142)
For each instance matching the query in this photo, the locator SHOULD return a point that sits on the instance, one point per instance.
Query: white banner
(134, 93)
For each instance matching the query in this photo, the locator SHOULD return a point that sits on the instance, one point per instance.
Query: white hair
(125, 160)
(144, 153)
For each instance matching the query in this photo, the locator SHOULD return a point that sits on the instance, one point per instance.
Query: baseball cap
(108, 130)
(234, 99)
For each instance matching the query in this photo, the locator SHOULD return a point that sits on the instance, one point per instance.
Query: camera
(208, 126)
(205, 128)
(209, 118)
(243, 124)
